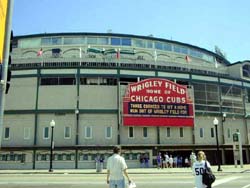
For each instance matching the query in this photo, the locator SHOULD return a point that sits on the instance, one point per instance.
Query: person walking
(117, 169)
(199, 168)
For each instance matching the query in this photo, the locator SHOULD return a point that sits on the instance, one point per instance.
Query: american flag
(118, 53)
(40, 52)
(188, 59)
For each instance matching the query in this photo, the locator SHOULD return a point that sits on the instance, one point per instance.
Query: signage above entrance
(157, 102)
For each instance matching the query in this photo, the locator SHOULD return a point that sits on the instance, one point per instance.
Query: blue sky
(204, 23)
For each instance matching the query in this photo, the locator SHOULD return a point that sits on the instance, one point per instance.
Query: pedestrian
(142, 160)
(97, 163)
(159, 160)
(186, 162)
(117, 169)
(166, 160)
(192, 159)
(146, 158)
(171, 161)
(175, 161)
(199, 168)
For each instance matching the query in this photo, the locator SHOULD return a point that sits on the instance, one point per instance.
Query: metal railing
(34, 63)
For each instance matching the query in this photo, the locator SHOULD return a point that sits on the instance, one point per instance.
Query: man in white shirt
(116, 169)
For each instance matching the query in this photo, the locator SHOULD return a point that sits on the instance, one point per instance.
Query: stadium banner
(157, 102)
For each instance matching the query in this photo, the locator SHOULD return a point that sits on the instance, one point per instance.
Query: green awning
(95, 50)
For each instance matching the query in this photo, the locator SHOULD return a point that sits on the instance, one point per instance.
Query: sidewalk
(225, 169)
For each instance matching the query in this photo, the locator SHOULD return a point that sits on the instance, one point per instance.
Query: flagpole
(155, 58)
(80, 55)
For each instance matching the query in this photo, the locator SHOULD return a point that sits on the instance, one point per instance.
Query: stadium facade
(82, 81)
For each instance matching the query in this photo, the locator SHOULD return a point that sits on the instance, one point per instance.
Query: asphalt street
(157, 180)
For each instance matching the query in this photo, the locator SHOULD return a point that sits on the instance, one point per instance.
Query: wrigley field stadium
(87, 92)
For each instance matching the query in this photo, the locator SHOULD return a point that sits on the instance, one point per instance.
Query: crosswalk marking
(246, 186)
(224, 180)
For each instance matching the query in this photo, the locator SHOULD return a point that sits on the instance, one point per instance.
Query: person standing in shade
(192, 159)
(159, 160)
(199, 168)
(117, 169)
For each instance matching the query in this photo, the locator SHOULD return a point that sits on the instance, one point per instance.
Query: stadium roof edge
(240, 62)
(122, 35)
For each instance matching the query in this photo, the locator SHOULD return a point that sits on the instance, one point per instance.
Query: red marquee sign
(157, 102)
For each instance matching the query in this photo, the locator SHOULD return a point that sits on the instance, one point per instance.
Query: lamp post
(52, 125)
(224, 117)
(217, 142)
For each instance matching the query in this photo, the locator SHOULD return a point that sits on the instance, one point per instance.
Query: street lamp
(217, 142)
(224, 117)
(52, 125)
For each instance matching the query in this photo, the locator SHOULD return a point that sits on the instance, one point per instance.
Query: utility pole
(5, 34)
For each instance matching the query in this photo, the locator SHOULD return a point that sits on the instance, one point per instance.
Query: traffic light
(9, 65)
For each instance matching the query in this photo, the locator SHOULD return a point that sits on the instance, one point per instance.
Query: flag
(40, 52)
(155, 56)
(216, 63)
(80, 53)
(188, 59)
(118, 53)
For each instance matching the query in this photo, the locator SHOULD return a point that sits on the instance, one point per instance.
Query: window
(6, 133)
(68, 157)
(159, 45)
(85, 157)
(46, 133)
(139, 43)
(246, 70)
(228, 133)
(29, 43)
(74, 40)
(108, 132)
(12, 157)
(49, 81)
(67, 81)
(212, 132)
(149, 44)
(195, 53)
(115, 41)
(168, 132)
(201, 132)
(167, 47)
(103, 41)
(91, 40)
(26, 133)
(59, 157)
(67, 132)
(93, 81)
(145, 132)
(46, 41)
(180, 49)
(88, 132)
(131, 132)
(181, 132)
(58, 81)
(56, 40)
(126, 41)
(51, 41)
